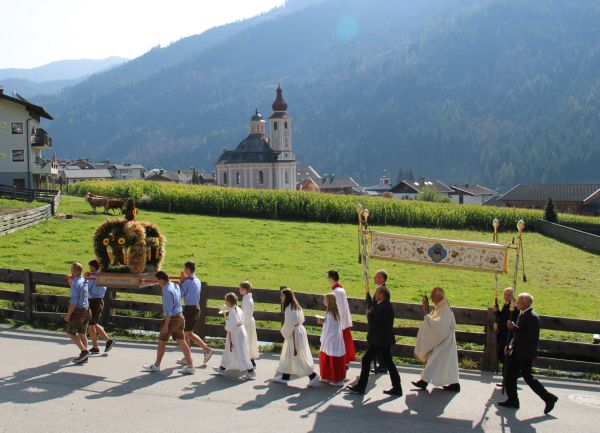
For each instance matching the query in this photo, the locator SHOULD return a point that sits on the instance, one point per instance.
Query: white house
(126, 171)
(259, 161)
(409, 189)
(22, 142)
(471, 194)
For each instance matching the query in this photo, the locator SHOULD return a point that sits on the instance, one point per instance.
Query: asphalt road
(42, 391)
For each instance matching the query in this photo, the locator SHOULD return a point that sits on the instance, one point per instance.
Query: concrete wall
(577, 238)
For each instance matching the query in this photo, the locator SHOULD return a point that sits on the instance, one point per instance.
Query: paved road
(41, 391)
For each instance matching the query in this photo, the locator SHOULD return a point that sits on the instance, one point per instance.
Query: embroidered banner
(482, 256)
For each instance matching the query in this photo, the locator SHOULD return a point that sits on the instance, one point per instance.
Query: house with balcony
(22, 144)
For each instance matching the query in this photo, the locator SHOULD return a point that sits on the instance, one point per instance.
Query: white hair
(509, 288)
(527, 296)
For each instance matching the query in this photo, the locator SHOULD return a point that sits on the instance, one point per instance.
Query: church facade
(259, 161)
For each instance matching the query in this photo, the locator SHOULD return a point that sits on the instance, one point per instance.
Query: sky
(37, 32)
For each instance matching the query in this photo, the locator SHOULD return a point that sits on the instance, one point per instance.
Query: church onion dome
(279, 104)
(257, 116)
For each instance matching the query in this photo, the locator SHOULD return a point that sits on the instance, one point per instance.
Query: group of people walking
(518, 335)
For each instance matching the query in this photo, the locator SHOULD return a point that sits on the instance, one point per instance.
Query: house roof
(87, 173)
(336, 182)
(18, 99)
(558, 192)
(127, 166)
(304, 172)
(417, 185)
(493, 201)
(160, 173)
(472, 190)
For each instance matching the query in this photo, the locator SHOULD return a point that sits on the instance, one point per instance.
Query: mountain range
(53, 77)
(489, 91)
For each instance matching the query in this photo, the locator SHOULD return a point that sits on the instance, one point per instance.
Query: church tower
(257, 124)
(280, 126)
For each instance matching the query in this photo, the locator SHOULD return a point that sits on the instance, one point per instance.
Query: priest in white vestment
(436, 345)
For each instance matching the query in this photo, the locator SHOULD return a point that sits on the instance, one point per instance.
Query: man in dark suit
(380, 338)
(503, 315)
(522, 350)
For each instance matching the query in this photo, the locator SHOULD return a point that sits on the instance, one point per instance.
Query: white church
(259, 161)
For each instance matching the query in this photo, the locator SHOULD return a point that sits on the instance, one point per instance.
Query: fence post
(28, 290)
(203, 306)
(490, 355)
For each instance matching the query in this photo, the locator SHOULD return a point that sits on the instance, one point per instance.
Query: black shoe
(455, 387)
(514, 404)
(83, 356)
(500, 385)
(355, 389)
(94, 351)
(420, 384)
(394, 391)
(550, 404)
(109, 345)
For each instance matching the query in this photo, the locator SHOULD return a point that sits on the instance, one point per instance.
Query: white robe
(235, 355)
(332, 340)
(436, 346)
(250, 325)
(298, 362)
(343, 307)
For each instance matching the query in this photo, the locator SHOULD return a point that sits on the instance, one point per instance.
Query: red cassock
(332, 368)
(349, 344)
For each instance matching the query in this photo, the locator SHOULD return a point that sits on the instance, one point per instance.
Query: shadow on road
(135, 383)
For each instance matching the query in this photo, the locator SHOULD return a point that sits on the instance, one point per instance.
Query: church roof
(257, 116)
(279, 104)
(254, 148)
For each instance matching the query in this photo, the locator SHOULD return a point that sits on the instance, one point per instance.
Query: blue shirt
(190, 290)
(79, 293)
(171, 300)
(95, 292)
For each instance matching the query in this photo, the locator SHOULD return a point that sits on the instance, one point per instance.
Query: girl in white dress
(249, 323)
(235, 355)
(332, 363)
(296, 358)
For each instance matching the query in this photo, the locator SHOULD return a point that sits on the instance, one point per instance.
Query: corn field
(309, 206)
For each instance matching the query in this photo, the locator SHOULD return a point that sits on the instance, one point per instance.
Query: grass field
(9, 206)
(564, 280)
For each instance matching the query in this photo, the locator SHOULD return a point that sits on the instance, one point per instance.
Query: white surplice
(235, 355)
(342, 302)
(332, 339)
(436, 346)
(296, 358)
(250, 325)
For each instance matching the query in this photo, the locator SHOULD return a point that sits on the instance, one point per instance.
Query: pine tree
(550, 214)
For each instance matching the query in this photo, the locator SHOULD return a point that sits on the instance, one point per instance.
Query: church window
(261, 177)
(285, 125)
(275, 126)
(224, 178)
(237, 177)
(285, 139)
(287, 177)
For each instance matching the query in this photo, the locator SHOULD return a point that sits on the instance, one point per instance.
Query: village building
(471, 194)
(382, 188)
(409, 189)
(22, 143)
(259, 161)
(568, 198)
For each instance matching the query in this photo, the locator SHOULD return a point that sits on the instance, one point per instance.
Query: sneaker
(109, 345)
(181, 361)
(219, 371)
(153, 368)
(340, 383)
(251, 375)
(82, 357)
(207, 356)
(94, 351)
(279, 379)
(314, 381)
(187, 370)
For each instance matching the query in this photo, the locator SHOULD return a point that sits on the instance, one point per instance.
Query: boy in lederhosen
(96, 298)
(78, 315)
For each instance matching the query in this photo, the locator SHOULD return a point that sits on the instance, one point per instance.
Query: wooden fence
(554, 354)
(30, 217)
(28, 194)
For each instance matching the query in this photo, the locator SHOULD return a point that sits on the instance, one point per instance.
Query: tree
(550, 214)
(429, 193)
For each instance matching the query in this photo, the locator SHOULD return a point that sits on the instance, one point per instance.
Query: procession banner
(481, 256)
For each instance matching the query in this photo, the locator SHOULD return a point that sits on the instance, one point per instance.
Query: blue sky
(36, 32)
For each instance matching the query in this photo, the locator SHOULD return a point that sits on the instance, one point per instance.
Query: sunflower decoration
(126, 245)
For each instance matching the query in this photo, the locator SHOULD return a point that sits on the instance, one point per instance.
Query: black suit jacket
(526, 336)
(381, 323)
(502, 317)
